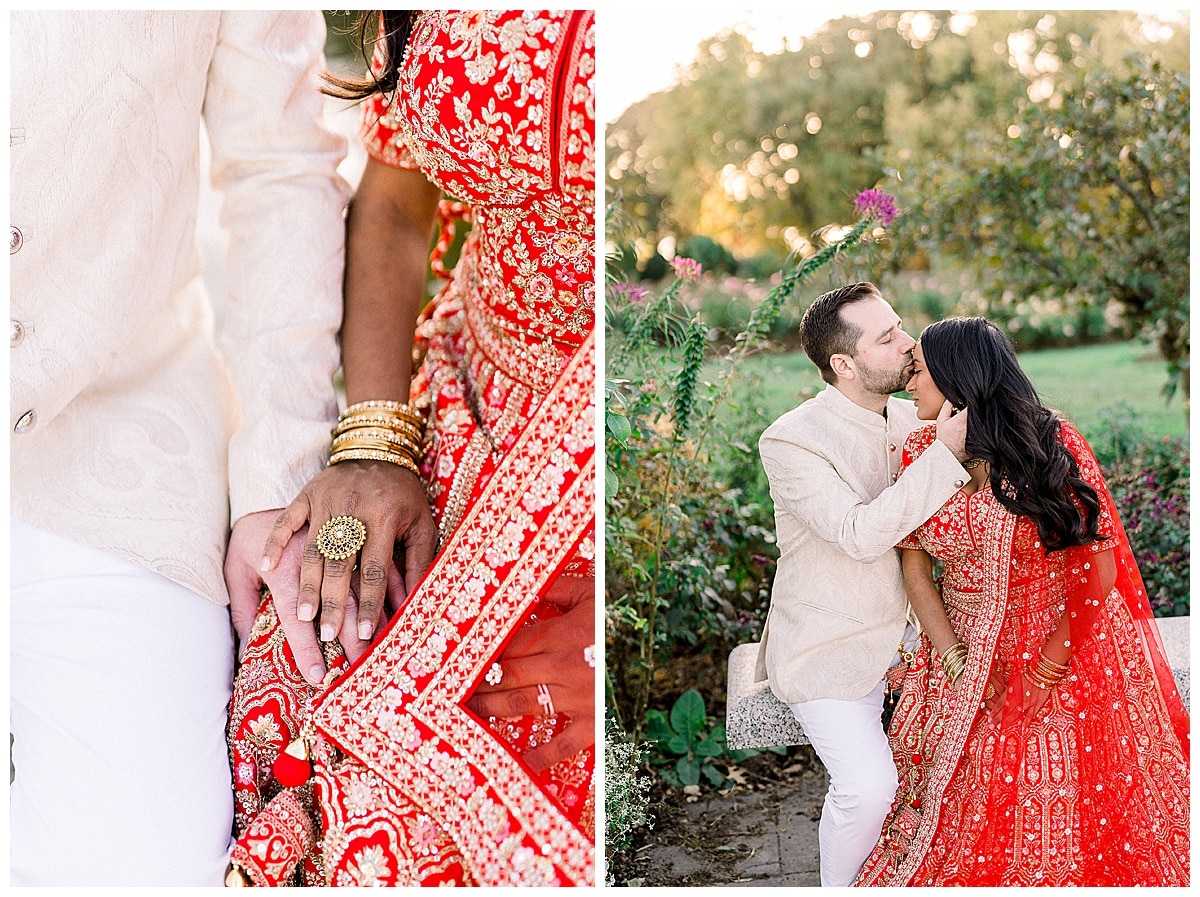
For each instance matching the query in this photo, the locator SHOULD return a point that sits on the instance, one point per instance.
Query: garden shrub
(626, 794)
(1150, 479)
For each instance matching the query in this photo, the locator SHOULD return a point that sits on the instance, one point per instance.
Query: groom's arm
(274, 161)
(807, 485)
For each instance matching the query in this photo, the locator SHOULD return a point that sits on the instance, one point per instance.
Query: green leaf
(611, 483)
(688, 716)
(688, 771)
(657, 727)
(709, 749)
(677, 744)
(617, 426)
(713, 774)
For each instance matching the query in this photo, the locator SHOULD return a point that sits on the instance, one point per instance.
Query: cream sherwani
(838, 608)
(131, 433)
(134, 440)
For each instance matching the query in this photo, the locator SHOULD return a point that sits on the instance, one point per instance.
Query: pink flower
(686, 269)
(632, 292)
(878, 205)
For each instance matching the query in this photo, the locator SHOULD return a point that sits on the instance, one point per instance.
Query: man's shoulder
(798, 419)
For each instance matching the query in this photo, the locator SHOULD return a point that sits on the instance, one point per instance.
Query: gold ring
(341, 537)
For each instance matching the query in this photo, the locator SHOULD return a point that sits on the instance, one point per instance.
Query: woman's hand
(551, 652)
(1034, 698)
(391, 502)
(993, 696)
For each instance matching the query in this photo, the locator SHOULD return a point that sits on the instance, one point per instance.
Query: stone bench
(755, 718)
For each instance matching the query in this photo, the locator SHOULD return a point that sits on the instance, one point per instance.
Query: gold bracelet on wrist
(1046, 674)
(1039, 682)
(954, 661)
(412, 412)
(365, 454)
(376, 421)
(378, 440)
(1049, 665)
(384, 433)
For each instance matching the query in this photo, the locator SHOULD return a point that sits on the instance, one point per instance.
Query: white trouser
(120, 681)
(849, 738)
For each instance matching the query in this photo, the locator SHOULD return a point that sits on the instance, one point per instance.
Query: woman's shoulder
(1072, 439)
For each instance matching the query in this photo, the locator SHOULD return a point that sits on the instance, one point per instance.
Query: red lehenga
(409, 787)
(1095, 790)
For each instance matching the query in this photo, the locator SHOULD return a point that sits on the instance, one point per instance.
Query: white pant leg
(849, 738)
(119, 691)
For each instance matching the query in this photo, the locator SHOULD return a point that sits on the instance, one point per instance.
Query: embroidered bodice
(496, 108)
(954, 534)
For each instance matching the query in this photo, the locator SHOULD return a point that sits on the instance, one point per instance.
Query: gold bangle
(953, 671)
(378, 420)
(386, 433)
(363, 454)
(1049, 665)
(383, 405)
(954, 661)
(1046, 674)
(377, 434)
(393, 409)
(364, 444)
(355, 440)
(1039, 681)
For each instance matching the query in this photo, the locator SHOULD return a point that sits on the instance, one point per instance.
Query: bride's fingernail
(365, 630)
(265, 567)
(316, 673)
(327, 633)
(305, 613)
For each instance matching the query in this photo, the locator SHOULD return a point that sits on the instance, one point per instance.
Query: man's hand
(952, 430)
(391, 503)
(244, 578)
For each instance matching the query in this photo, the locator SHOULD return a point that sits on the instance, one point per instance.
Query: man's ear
(843, 366)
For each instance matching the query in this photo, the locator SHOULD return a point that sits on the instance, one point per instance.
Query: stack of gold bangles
(1046, 674)
(379, 431)
(954, 661)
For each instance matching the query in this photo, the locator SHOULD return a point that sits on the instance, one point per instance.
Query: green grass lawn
(1080, 383)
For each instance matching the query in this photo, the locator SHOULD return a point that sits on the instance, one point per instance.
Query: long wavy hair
(975, 367)
(396, 26)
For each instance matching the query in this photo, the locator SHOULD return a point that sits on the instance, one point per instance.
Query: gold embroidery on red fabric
(446, 765)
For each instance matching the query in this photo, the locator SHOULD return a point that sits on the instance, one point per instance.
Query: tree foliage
(1044, 152)
(1084, 200)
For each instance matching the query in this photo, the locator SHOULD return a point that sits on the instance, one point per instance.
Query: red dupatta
(1131, 725)
(1094, 790)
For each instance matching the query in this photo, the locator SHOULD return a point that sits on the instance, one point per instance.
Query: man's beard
(884, 383)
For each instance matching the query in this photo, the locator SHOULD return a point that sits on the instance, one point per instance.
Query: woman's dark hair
(974, 366)
(397, 27)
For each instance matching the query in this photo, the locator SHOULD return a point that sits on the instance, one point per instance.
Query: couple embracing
(1039, 737)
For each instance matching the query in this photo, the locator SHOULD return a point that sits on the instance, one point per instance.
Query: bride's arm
(917, 568)
(388, 233)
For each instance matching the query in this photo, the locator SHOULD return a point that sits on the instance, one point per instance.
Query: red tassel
(291, 768)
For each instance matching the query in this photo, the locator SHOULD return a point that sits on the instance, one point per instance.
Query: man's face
(883, 355)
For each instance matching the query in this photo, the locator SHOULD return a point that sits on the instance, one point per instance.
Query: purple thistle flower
(878, 205)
